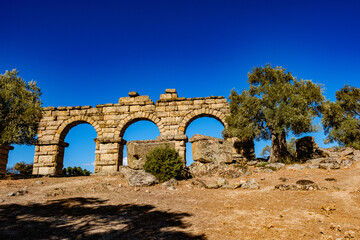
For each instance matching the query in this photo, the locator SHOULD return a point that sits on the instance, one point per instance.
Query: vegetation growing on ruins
(20, 109)
(275, 104)
(164, 163)
(341, 119)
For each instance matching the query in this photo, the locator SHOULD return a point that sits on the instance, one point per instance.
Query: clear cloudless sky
(93, 52)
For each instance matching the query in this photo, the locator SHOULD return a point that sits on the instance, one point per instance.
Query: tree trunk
(279, 152)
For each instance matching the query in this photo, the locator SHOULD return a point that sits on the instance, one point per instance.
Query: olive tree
(275, 104)
(20, 109)
(341, 119)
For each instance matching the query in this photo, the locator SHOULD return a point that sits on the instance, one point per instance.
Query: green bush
(22, 168)
(75, 171)
(165, 163)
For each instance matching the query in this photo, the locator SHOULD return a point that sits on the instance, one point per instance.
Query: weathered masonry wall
(171, 114)
(4, 153)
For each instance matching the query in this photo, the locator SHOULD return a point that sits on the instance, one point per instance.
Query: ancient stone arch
(205, 112)
(171, 114)
(68, 124)
(132, 118)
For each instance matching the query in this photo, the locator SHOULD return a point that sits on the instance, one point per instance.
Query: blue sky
(93, 52)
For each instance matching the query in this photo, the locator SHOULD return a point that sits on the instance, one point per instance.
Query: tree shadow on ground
(90, 218)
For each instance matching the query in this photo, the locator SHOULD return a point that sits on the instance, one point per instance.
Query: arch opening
(206, 125)
(80, 135)
(138, 130)
(20, 153)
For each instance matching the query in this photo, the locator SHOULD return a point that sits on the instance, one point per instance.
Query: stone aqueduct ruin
(171, 114)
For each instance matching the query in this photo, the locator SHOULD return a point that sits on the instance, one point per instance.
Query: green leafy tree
(164, 163)
(75, 171)
(275, 105)
(341, 119)
(20, 109)
(22, 168)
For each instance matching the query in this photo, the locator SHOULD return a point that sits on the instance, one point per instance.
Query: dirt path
(99, 207)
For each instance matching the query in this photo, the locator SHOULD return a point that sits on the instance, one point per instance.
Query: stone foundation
(138, 150)
(4, 154)
(211, 150)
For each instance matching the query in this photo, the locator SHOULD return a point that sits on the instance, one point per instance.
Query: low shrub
(75, 171)
(165, 163)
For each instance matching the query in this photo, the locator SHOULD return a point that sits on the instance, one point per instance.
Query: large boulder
(222, 170)
(306, 149)
(138, 178)
(137, 151)
(211, 150)
(243, 150)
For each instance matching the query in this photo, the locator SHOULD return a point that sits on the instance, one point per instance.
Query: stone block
(306, 148)
(137, 151)
(133, 94)
(135, 108)
(211, 150)
(172, 90)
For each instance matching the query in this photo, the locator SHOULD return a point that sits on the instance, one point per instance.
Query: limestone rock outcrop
(211, 150)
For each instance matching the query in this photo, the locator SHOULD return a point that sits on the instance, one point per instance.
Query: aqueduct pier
(171, 114)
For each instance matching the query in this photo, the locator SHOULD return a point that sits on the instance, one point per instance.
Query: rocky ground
(293, 202)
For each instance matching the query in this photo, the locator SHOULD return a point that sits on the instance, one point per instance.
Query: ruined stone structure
(138, 150)
(4, 153)
(211, 150)
(171, 114)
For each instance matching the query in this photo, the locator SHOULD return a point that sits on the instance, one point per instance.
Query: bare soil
(105, 207)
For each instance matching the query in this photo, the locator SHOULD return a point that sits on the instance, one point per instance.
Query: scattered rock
(222, 182)
(250, 184)
(10, 194)
(199, 183)
(315, 161)
(346, 163)
(283, 187)
(283, 179)
(262, 178)
(120, 185)
(22, 191)
(229, 173)
(313, 166)
(252, 163)
(223, 170)
(170, 184)
(138, 178)
(265, 170)
(39, 182)
(276, 166)
(346, 151)
(211, 186)
(349, 234)
(55, 192)
(330, 179)
(329, 163)
(298, 167)
(305, 185)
